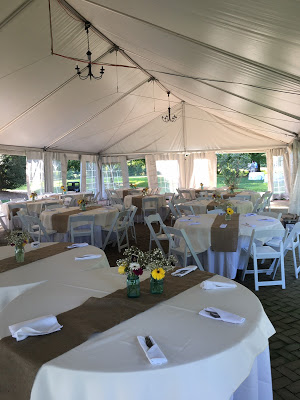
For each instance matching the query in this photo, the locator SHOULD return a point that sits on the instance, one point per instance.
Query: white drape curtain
(92, 159)
(122, 160)
(35, 172)
(188, 176)
(295, 179)
(273, 174)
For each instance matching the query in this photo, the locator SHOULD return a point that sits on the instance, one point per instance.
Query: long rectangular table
(208, 359)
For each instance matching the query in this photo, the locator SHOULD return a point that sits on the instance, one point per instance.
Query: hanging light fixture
(89, 56)
(168, 118)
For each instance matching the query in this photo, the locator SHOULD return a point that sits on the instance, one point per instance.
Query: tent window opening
(201, 172)
(57, 176)
(35, 175)
(167, 175)
(278, 175)
(112, 175)
(91, 181)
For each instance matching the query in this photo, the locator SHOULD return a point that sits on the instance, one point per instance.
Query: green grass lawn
(142, 181)
(257, 186)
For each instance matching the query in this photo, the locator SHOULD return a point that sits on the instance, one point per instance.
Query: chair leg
(255, 273)
(295, 264)
(282, 272)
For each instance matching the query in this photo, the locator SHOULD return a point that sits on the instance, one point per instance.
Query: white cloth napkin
(249, 215)
(35, 245)
(35, 327)
(184, 271)
(154, 354)
(266, 219)
(210, 284)
(224, 315)
(74, 245)
(195, 223)
(88, 257)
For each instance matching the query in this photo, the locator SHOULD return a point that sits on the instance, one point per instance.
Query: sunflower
(229, 211)
(158, 273)
(122, 269)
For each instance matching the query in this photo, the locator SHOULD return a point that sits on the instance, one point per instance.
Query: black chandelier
(89, 56)
(168, 118)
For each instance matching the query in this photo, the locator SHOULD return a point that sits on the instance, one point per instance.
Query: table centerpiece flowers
(145, 191)
(231, 188)
(132, 266)
(18, 239)
(158, 265)
(82, 204)
(63, 189)
(33, 196)
(229, 212)
(217, 196)
(133, 185)
(201, 186)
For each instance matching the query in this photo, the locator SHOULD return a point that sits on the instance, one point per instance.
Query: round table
(207, 358)
(200, 206)
(198, 229)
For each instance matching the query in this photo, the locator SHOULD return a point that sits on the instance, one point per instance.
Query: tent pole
(15, 13)
(183, 125)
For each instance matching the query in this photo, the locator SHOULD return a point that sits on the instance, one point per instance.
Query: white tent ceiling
(232, 68)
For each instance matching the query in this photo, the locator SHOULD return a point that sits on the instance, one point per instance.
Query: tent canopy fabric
(232, 69)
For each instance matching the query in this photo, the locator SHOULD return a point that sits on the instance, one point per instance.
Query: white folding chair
(82, 225)
(185, 194)
(116, 200)
(259, 205)
(2, 216)
(13, 208)
(132, 212)
(118, 227)
(180, 246)
(267, 199)
(88, 197)
(37, 230)
(169, 197)
(291, 243)
(156, 236)
(174, 213)
(200, 195)
(258, 252)
(68, 201)
(149, 205)
(184, 210)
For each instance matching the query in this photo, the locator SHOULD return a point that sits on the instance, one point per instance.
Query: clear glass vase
(82, 207)
(156, 286)
(19, 253)
(227, 217)
(133, 286)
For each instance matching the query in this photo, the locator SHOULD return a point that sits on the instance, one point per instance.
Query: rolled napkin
(154, 353)
(209, 284)
(184, 271)
(35, 327)
(75, 245)
(35, 245)
(88, 257)
(224, 315)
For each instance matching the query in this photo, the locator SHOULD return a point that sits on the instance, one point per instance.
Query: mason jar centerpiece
(131, 266)
(33, 196)
(18, 240)
(229, 212)
(158, 265)
(82, 205)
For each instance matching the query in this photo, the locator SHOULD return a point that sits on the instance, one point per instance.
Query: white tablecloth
(225, 264)
(161, 200)
(200, 206)
(207, 359)
(104, 217)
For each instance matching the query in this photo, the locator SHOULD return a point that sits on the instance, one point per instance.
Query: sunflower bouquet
(33, 195)
(63, 189)
(229, 212)
(132, 185)
(158, 265)
(217, 196)
(82, 204)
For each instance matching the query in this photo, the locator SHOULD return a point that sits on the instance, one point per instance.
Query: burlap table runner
(227, 196)
(20, 361)
(60, 220)
(211, 206)
(138, 202)
(225, 239)
(125, 193)
(34, 255)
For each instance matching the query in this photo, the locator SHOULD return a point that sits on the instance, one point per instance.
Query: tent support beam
(99, 33)
(12, 15)
(183, 125)
(268, 68)
(252, 101)
(50, 94)
(97, 114)
(291, 133)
